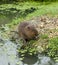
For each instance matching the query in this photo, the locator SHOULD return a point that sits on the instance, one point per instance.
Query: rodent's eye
(28, 27)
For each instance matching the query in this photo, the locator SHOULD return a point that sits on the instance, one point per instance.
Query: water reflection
(40, 60)
(30, 60)
(7, 17)
(8, 54)
(4, 19)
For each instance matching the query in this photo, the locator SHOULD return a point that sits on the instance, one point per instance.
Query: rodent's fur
(27, 31)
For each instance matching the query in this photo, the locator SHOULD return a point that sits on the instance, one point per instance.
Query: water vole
(27, 31)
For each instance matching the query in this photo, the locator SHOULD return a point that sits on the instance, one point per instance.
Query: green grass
(53, 48)
(50, 9)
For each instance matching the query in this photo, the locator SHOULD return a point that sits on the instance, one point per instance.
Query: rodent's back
(21, 28)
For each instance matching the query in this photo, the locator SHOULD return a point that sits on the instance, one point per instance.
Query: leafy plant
(53, 48)
(29, 49)
(44, 36)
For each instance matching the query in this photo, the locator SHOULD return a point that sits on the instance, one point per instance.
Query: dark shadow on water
(39, 59)
(30, 60)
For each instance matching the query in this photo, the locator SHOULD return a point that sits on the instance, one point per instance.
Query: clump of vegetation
(29, 48)
(44, 36)
(53, 48)
(33, 47)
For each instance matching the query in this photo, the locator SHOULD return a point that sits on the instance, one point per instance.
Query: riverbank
(33, 11)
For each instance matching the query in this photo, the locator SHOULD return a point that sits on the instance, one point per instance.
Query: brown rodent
(27, 31)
